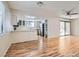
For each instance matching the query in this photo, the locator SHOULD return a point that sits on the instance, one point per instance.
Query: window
(30, 25)
(1, 17)
(25, 23)
(1, 25)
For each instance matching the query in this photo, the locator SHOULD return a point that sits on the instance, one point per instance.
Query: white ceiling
(49, 9)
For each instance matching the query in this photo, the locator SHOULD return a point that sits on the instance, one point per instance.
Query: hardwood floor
(67, 46)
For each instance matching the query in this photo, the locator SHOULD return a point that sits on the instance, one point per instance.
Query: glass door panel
(62, 28)
(67, 28)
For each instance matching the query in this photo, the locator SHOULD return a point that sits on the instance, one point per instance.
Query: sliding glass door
(67, 25)
(64, 28)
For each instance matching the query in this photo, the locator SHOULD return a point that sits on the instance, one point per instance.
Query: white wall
(5, 38)
(4, 44)
(23, 36)
(53, 28)
(75, 27)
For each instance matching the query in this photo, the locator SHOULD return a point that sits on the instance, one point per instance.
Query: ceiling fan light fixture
(40, 3)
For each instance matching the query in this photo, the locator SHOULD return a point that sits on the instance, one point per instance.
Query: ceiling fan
(70, 12)
(40, 3)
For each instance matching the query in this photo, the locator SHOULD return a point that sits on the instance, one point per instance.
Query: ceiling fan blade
(66, 12)
(71, 10)
(74, 13)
